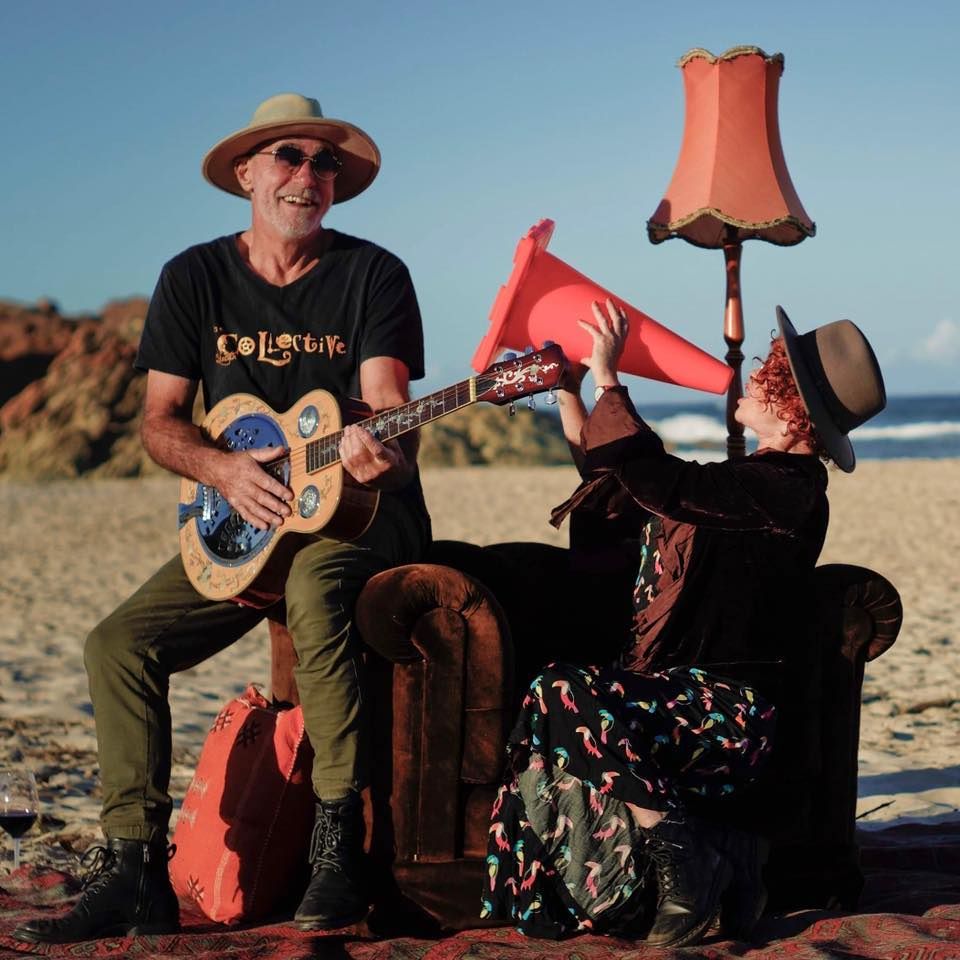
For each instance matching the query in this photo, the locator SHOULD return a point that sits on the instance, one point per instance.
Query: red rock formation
(80, 413)
(70, 403)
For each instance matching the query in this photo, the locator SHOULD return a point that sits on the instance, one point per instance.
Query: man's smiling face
(291, 202)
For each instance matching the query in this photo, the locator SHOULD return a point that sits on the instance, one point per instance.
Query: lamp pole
(733, 334)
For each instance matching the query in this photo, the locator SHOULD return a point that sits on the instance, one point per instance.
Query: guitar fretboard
(392, 423)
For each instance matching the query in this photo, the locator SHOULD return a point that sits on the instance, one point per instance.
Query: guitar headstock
(522, 376)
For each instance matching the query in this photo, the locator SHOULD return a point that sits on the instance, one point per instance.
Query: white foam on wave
(685, 429)
(713, 455)
(908, 431)
(688, 428)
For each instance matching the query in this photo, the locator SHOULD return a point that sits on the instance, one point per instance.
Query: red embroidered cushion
(243, 833)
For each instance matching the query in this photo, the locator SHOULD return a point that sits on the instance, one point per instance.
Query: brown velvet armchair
(477, 624)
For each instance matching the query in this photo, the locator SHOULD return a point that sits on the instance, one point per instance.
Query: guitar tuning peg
(529, 349)
(531, 403)
(551, 398)
(509, 355)
(549, 343)
(512, 408)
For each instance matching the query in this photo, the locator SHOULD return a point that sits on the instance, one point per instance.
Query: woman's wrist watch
(601, 390)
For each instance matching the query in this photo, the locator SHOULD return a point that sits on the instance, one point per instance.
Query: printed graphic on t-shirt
(211, 319)
(277, 349)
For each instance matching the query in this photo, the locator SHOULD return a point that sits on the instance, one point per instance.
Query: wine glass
(19, 805)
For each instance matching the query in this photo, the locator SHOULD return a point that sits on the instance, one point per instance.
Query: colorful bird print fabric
(651, 566)
(565, 853)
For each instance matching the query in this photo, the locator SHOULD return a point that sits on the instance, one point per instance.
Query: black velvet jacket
(739, 544)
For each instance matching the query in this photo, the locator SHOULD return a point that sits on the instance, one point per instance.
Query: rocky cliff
(70, 403)
(71, 398)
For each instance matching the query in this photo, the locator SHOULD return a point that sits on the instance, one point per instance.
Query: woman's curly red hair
(777, 386)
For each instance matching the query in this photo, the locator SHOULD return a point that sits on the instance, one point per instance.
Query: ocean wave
(713, 455)
(691, 428)
(907, 431)
(688, 429)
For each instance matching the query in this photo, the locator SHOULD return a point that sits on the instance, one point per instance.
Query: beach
(72, 550)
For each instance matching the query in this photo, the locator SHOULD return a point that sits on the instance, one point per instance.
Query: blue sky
(491, 116)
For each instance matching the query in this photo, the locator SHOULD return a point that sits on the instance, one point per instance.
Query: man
(348, 315)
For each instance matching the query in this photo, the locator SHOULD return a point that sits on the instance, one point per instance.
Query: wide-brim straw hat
(839, 381)
(292, 115)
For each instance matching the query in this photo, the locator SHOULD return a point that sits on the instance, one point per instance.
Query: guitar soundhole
(225, 534)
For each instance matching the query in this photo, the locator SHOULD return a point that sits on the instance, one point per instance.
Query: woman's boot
(691, 877)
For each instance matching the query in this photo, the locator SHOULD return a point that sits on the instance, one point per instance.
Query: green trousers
(166, 627)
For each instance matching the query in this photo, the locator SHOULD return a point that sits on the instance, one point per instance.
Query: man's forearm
(181, 447)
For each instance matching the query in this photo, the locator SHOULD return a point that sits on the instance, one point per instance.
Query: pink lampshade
(731, 181)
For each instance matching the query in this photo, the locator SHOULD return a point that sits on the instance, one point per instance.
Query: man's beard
(304, 223)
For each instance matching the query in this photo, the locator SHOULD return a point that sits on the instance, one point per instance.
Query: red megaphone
(544, 298)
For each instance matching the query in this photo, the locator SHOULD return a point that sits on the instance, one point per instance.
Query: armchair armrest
(859, 618)
(811, 788)
(447, 643)
(868, 604)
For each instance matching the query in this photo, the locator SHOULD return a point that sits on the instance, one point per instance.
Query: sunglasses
(325, 164)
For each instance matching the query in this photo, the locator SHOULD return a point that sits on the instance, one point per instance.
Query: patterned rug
(910, 910)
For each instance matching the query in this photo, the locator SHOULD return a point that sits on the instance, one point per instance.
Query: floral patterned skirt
(565, 853)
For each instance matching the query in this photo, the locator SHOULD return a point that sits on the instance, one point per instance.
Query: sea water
(910, 426)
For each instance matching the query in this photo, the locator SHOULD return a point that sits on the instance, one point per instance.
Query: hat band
(843, 418)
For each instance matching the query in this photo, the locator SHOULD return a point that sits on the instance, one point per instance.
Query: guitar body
(227, 558)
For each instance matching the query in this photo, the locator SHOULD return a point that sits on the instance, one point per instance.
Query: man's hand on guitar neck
(370, 462)
(390, 466)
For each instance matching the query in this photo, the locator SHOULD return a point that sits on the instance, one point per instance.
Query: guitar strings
(326, 449)
(329, 444)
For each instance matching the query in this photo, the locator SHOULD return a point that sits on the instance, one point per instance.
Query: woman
(605, 760)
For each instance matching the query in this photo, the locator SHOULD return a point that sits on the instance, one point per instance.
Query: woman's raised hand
(609, 337)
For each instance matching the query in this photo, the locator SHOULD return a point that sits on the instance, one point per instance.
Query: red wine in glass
(17, 822)
(19, 804)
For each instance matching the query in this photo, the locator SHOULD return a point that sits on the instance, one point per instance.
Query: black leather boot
(691, 878)
(746, 897)
(335, 896)
(126, 892)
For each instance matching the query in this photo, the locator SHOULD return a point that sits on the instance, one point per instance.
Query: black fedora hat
(839, 381)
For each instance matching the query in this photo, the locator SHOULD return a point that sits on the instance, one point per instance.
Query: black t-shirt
(213, 319)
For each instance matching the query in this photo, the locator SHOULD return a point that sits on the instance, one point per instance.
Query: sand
(73, 550)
